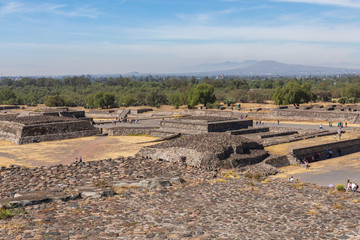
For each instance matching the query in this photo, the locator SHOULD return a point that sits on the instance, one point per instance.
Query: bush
(10, 212)
(340, 188)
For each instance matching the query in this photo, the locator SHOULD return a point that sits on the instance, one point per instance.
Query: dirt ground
(331, 171)
(65, 151)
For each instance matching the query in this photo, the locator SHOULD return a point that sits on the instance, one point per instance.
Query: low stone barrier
(124, 131)
(337, 148)
(310, 115)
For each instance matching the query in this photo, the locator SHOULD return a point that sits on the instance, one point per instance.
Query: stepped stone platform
(21, 129)
(208, 151)
(200, 124)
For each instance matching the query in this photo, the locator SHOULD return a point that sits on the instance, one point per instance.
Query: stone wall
(26, 133)
(140, 110)
(124, 131)
(10, 131)
(56, 128)
(203, 127)
(345, 147)
(59, 136)
(309, 115)
(8, 107)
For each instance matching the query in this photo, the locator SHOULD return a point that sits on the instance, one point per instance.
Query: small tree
(103, 100)
(55, 101)
(202, 93)
(229, 100)
(293, 93)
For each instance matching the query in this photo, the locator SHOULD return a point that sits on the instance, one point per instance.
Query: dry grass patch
(313, 212)
(338, 205)
(230, 175)
(65, 151)
(298, 186)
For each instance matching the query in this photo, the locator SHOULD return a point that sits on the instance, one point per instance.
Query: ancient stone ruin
(200, 124)
(27, 128)
(209, 151)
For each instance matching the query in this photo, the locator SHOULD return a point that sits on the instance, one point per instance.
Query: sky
(62, 37)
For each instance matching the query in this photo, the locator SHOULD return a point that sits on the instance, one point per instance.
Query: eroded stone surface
(209, 151)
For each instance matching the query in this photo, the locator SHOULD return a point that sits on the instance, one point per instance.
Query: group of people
(125, 120)
(339, 124)
(259, 122)
(291, 179)
(80, 160)
(353, 186)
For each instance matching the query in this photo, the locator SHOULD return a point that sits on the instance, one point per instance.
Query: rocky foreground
(145, 202)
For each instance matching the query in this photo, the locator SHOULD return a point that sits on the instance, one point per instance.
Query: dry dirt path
(65, 151)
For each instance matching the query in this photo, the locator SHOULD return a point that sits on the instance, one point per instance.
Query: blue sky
(117, 36)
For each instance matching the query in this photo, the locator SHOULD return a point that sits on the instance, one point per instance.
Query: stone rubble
(198, 204)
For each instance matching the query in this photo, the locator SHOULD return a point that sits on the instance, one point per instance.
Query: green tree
(351, 91)
(55, 101)
(293, 93)
(155, 98)
(229, 100)
(202, 93)
(103, 100)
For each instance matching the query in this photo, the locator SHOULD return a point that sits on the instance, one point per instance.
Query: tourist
(291, 179)
(307, 164)
(329, 153)
(321, 127)
(278, 122)
(297, 180)
(353, 186)
(76, 160)
(80, 160)
(339, 133)
(347, 185)
(346, 124)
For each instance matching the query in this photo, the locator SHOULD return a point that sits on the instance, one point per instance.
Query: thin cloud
(17, 7)
(292, 33)
(205, 17)
(342, 3)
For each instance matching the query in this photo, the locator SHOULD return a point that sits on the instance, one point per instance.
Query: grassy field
(65, 151)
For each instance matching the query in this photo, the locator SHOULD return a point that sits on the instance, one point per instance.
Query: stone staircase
(124, 113)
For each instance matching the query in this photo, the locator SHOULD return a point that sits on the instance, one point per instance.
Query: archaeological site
(210, 174)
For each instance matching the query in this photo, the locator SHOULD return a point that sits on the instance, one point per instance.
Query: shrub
(10, 212)
(340, 187)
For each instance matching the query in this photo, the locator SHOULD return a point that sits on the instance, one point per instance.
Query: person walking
(339, 133)
(347, 185)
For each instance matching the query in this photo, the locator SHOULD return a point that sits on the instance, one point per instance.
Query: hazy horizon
(62, 37)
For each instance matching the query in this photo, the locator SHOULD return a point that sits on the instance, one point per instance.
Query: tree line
(150, 90)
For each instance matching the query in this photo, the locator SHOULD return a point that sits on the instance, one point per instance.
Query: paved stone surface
(208, 205)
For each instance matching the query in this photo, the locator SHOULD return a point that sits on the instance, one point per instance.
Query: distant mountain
(272, 68)
(206, 67)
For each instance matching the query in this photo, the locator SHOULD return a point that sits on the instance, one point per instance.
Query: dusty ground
(65, 151)
(331, 171)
